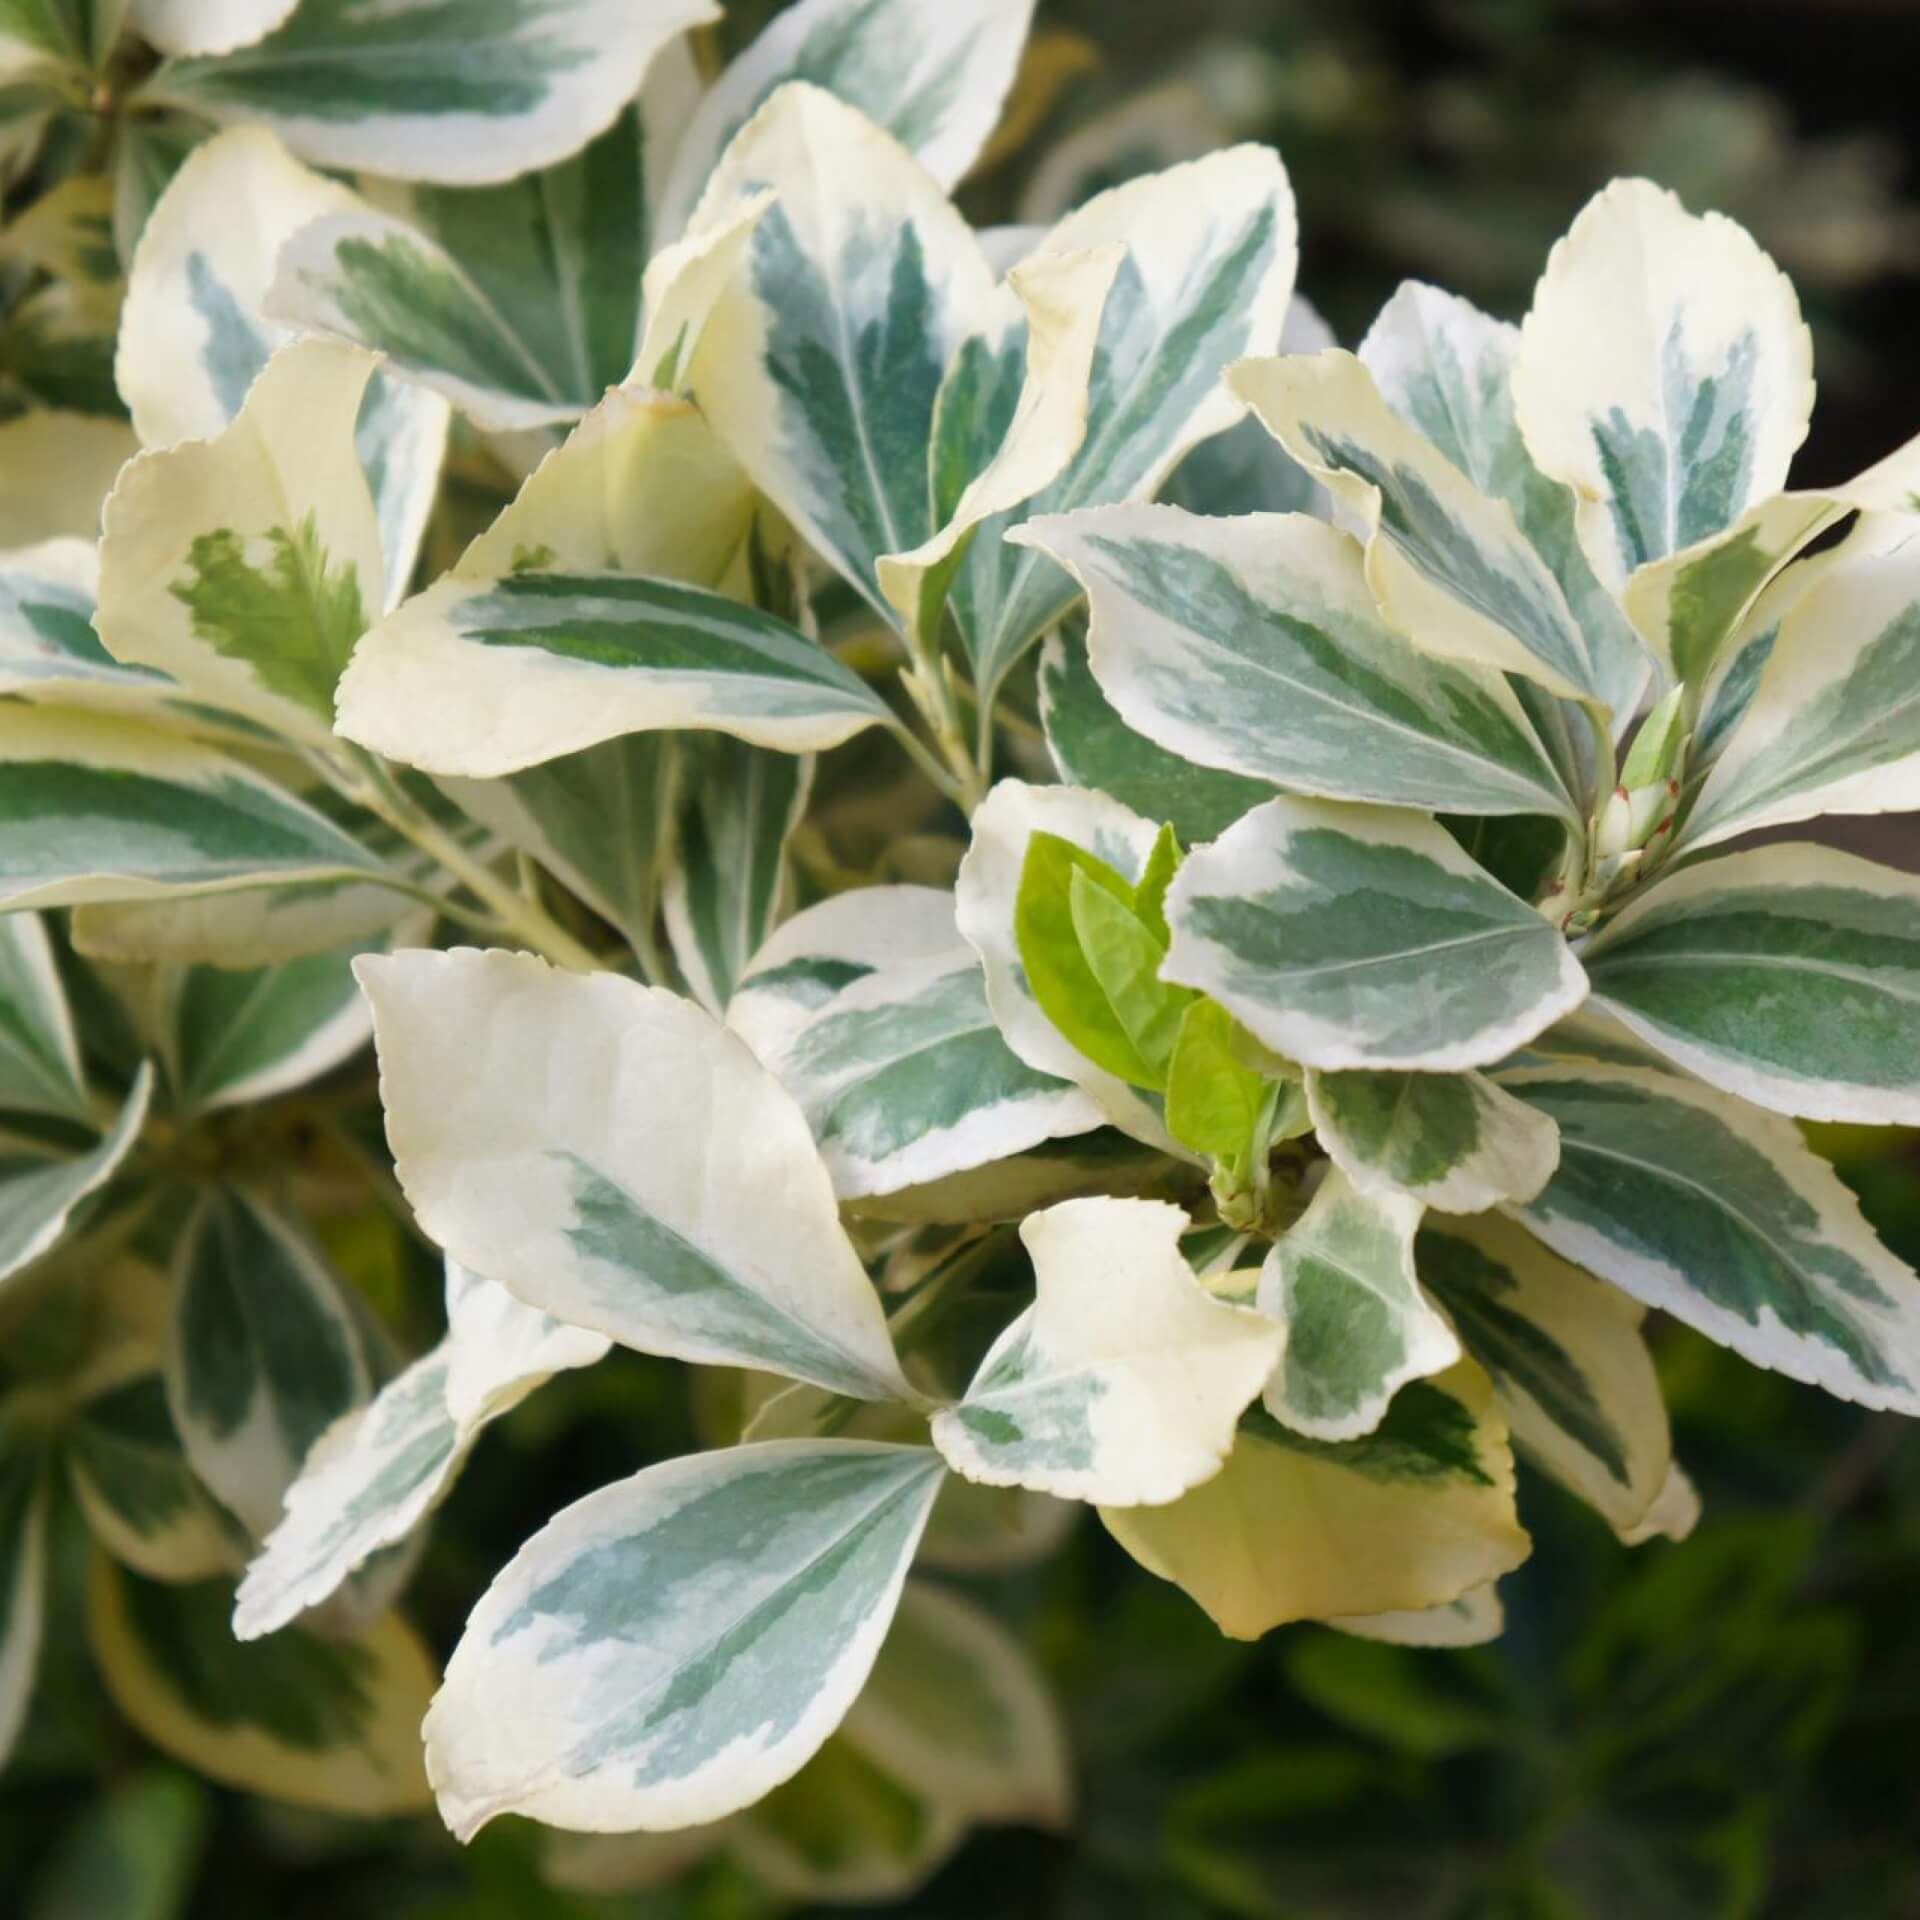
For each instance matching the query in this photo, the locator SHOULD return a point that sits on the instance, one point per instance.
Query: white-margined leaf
(48, 648)
(956, 1709)
(1702, 1205)
(935, 81)
(55, 469)
(1569, 1366)
(40, 1187)
(821, 363)
(1457, 1142)
(99, 810)
(726, 879)
(1357, 1324)
(1447, 562)
(645, 1175)
(1473, 1620)
(23, 1588)
(1832, 724)
(1093, 747)
(1361, 937)
(666, 1650)
(478, 679)
(558, 812)
(1674, 1514)
(40, 1069)
(897, 1062)
(248, 566)
(1044, 318)
(1253, 645)
(326, 1723)
(237, 1035)
(984, 896)
(376, 1473)
(132, 1479)
(206, 26)
(1413, 1515)
(1447, 368)
(1123, 1381)
(1664, 374)
(519, 303)
(1789, 975)
(1209, 268)
(264, 1352)
(194, 335)
(463, 91)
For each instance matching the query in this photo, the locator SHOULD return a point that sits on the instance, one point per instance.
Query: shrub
(1106, 903)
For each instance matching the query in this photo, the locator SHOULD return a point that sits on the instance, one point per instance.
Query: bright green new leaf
(1358, 1326)
(1123, 952)
(1214, 1100)
(666, 1650)
(1348, 936)
(1122, 1382)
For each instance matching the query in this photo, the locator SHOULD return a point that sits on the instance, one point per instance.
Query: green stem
(525, 919)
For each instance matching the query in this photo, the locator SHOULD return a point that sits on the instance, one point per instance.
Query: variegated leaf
(23, 1588)
(40, 1188)
(1447, 368)
(48, 648)
(1664, 374)
(206, 26)
(1361, 937)
(898, 1063)
(666, 1650)
(1047, 313)
(248, 566)
(94, 809)
(1414, 1515)
(328, 1724)
(40, 1069)
(1457, 1142)
(1702, 1205)
(1569, 1366)
(375, 1474)
(623, 1129)
(955, 1708)
(935, 81)
(519, 303)
(463, 91)
(1093, 747)
(1123, 1381)
(1357, 1325)
(1446, 562)
(240, 1035)
(264, 1352)
(821, 363)
(1253, 645)
(726, 879)
(1832, 722)
(131, 1477)
(1473, 1620)
(194, 335)
(1210, 255)
(1789, 975)
(984, 899)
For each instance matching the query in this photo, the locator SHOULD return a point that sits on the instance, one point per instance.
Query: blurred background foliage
(1726, 1728)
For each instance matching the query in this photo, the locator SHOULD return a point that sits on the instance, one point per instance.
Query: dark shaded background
(1728, 1728)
